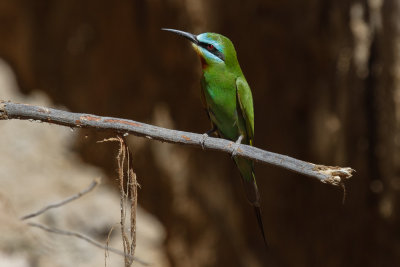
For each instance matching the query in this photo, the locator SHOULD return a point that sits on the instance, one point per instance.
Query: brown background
(325, 77)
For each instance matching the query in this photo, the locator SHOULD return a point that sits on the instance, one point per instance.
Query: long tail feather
(246, 169)
(260, 224)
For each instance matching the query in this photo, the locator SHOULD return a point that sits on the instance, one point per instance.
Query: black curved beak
(187, 35)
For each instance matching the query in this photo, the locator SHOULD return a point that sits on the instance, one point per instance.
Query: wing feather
(245, 100)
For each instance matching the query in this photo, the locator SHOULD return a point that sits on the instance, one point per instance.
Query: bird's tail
(246, 168)
(257, 210)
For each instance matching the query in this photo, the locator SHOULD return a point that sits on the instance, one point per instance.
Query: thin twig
(325, 174)
(87, 239)
(63, 202)
(132, 187)
(127, 196)
(106, 254)
(342, 185)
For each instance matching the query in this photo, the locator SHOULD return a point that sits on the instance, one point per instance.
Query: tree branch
(63, 202)
(326, 174)
(87, 239)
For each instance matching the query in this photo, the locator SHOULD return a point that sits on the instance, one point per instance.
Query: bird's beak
(189, 36)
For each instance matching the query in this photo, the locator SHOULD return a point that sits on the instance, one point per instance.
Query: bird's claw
(203, 140)
(236, 146)
(205, 135)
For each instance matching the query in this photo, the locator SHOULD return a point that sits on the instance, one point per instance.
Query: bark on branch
(326, 174)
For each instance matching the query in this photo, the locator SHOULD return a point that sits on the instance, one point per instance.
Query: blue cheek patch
(211, 56)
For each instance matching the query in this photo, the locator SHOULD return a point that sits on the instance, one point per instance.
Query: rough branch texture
(326, 174)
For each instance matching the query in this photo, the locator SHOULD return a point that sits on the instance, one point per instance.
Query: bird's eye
(210, 47)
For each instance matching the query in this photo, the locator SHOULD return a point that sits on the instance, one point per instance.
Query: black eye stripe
(213, 50)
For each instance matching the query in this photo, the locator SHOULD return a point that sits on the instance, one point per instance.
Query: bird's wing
(245, 100)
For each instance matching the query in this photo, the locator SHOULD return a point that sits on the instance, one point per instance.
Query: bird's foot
(203, 139)
(205, 135)
(236, 146)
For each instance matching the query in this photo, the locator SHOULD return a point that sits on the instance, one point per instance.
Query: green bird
(228, 101)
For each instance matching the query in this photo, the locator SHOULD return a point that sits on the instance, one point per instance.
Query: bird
(228, 102)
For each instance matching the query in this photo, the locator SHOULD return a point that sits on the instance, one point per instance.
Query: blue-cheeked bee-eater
(228, 101)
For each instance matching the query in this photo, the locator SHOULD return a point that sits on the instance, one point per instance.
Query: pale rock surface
(38, 168)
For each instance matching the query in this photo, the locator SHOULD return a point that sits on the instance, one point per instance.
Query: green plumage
(228, 101)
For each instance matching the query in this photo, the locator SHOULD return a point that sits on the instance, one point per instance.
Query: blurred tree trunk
(325, 77)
